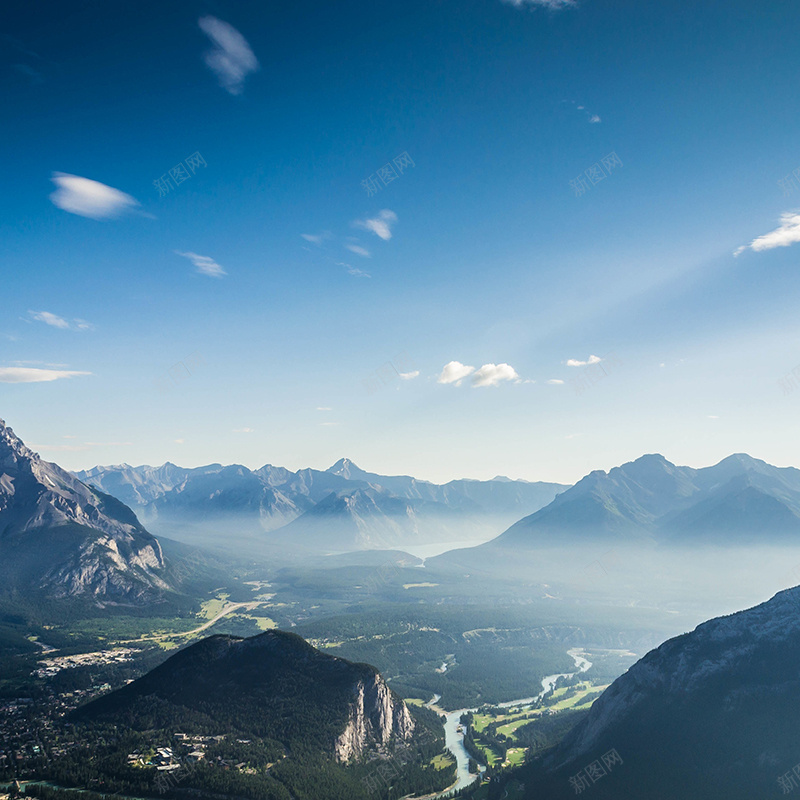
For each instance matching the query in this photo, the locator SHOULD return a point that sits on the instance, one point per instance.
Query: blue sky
(269, 309)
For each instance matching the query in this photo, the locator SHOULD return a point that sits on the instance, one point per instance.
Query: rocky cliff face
(708, 714)
(62, 536)
(377, 717)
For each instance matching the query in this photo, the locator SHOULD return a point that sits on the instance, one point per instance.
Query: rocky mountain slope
(710, 714)
(66, 539)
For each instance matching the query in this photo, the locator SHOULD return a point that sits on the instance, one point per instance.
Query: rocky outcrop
(59, 535)
(377, 717)
(709, 714)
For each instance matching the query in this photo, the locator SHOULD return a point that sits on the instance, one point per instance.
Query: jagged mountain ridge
(380, 511)
(62, 537)
(653, 500)
(709, 714)
(274, 685)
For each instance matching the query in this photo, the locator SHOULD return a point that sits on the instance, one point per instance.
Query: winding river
(454, 741)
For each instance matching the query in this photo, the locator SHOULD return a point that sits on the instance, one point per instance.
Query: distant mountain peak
(346, 468)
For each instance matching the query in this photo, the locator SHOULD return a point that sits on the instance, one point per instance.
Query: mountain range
(650, 500)
(63, 538)
(709, 714)
(341, 508)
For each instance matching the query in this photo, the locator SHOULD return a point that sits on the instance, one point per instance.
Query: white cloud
(32, 375)
(455, 372)
(243, 430)
(494, 375)
(205, 265)
(231, 58)
(409, 376)
(573, 362)
(555, 382)
(49, 319)
(380, 225)
(787, 234)
(324, 408)
(554, 4)
(358, 250)
(59, 322)
(89, 198)
(594, 119)
(179, 441)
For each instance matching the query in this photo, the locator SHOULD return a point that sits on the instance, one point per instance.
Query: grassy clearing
(210, 608)
(442, 761)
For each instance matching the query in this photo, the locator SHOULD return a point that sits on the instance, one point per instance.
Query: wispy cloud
(32, 375)
(59, 322)
(787, 234)
(205, 265)
(231, 58)
(554, 4)
(493, 375)
(359, 250)
(594, 119)
(573, 362)
(30, 73)
(354, 271)
(88, 198)
(380, 225)
(555, 382)
(244, 430)
(409, 376)
(317, 238)
(324, 408)
(49, 319)
(455, 372)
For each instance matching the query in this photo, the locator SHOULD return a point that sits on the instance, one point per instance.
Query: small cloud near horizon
(35, 375)
(494, 375)
(454, 372)
(786, 234)
(574, 362)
